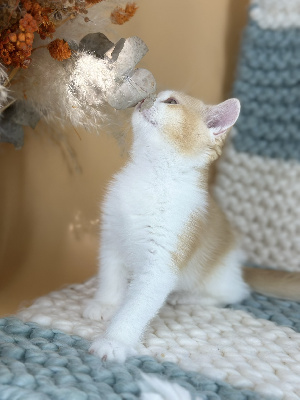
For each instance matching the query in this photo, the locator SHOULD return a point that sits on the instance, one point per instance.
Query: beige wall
(193, 43)
(48, 208)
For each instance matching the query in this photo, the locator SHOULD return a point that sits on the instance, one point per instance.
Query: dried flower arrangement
(55, 63)
(21, 19)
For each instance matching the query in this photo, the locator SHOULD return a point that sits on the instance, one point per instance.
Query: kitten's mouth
(147, 102)
(146, 112)
(139, 105)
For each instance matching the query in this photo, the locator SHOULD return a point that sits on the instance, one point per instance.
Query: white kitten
(161, 230)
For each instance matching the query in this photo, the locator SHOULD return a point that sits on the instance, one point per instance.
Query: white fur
(148, 206)
(154, 388)
(3, 89)
(224, 286)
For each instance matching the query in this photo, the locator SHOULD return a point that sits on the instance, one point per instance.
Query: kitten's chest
(154, 205)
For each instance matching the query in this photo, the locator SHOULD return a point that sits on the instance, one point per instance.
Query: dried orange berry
(35, 8)
(4, 53)
(21, 37)
(7, 60)
(10, 47)
(59, 49)
(21, 45)
(28, 23)
(27, 5)
(46, 28)
(121, 15)
(12, 37)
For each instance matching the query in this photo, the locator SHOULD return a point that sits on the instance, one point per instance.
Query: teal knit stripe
(278, 132)
(266, 59)
(282, 312)
(267, 114)
(272, 77)
(269, 96)
(42, 364)
(266, 148)
(271, 38)
(268, 86)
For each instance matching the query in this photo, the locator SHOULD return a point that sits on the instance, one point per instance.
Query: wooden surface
(48, 209)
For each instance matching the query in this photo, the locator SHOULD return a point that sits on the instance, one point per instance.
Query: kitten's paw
(175, 298)
(98, 311)
(111, 350)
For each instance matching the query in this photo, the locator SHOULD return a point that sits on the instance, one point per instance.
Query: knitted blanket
(40, 364)
(247, 351)
(258, 181)
(250, 351)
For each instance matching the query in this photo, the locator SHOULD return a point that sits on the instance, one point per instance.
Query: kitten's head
(185, 126)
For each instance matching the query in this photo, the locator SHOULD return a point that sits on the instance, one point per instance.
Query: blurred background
(51, 189)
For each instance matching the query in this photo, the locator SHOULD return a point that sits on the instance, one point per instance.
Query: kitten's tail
(281, 284)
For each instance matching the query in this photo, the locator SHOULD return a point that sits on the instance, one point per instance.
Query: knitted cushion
(252, 346)
(40, 364)
(258, 181)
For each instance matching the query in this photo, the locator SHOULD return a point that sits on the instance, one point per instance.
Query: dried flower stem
(3, 108)
(11, 76)
(77, 133)
(39, 47)
(59, 24)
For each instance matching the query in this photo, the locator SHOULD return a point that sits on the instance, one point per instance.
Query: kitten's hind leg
(223, 285)
(111, 288)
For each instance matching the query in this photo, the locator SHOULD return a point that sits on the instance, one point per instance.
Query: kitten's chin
(149, 119)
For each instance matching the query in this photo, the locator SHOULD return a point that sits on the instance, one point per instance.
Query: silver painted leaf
(10, 132)
(96, 43)
(23, 113)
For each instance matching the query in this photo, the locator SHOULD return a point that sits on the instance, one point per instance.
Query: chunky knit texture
(258, 181)
(227, 344)
(282, 312)
(276, 14)
(40, 364)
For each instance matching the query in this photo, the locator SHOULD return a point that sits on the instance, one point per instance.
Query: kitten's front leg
(111, 288)
(146, 294)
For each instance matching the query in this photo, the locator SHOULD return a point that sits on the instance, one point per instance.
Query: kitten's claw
(111, 350)
(183, 298)
(98, 311)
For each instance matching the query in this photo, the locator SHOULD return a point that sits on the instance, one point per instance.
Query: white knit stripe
(220, 343)
(261, 198)
(276, 14)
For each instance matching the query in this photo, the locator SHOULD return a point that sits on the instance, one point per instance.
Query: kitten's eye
(171, 100)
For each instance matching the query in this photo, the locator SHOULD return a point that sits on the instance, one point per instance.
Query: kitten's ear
(221, 117)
